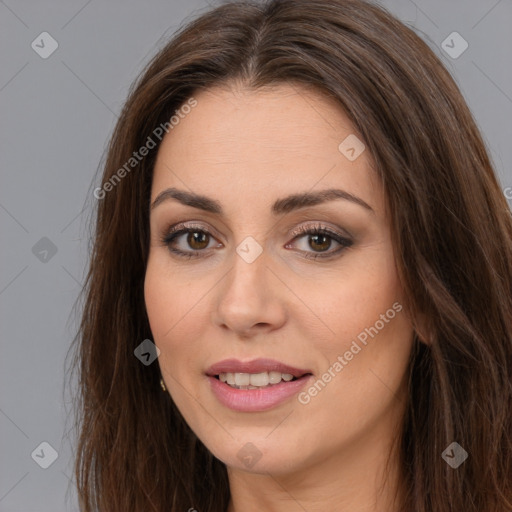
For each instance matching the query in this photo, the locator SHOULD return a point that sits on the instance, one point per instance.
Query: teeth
(242, 379)
(259, 379)
(274, 377)
(254, 380)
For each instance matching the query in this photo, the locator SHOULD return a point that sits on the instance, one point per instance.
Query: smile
(256, 385)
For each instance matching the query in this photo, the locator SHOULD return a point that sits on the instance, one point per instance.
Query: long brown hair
(451, 230)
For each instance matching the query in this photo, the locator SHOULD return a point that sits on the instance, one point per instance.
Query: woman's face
(251, 169)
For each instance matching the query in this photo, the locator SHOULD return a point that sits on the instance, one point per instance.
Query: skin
(247, 149)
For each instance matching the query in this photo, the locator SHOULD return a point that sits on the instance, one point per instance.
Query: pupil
(325, 245)
(197, 238)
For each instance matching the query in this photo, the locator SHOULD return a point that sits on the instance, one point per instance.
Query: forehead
(262, 143)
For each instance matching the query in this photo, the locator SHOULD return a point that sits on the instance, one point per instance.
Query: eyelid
(190, 225)
(318, 225)
(302, 229)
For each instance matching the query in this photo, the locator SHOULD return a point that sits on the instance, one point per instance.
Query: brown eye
(317, 240)
(197, 240)
(320, 242)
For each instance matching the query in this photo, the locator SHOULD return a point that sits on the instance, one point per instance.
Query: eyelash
(181, 229)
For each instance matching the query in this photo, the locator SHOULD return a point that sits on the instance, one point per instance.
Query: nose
(250, 299)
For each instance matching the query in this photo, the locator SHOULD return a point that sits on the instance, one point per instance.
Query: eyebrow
(280, 206)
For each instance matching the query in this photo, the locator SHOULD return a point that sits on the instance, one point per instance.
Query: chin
(260, 456)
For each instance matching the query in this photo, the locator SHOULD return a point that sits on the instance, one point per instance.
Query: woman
(298, 216)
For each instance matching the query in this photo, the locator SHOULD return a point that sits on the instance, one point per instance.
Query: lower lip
(255, 400)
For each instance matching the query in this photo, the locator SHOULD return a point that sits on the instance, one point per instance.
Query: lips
(255, 366)
(256, 399)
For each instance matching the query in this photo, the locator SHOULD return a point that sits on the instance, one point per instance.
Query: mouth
(256, 373)
(256, 385)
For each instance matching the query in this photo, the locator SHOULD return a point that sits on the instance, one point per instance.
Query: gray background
(56, 117)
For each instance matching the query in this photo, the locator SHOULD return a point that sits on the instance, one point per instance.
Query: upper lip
(254, 366)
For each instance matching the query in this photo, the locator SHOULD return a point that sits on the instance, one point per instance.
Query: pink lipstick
(256, 385)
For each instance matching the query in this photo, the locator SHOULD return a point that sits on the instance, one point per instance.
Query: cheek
(352, 298)
(368, 377)
(368, 341)
(172, 307)
(360, 386)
